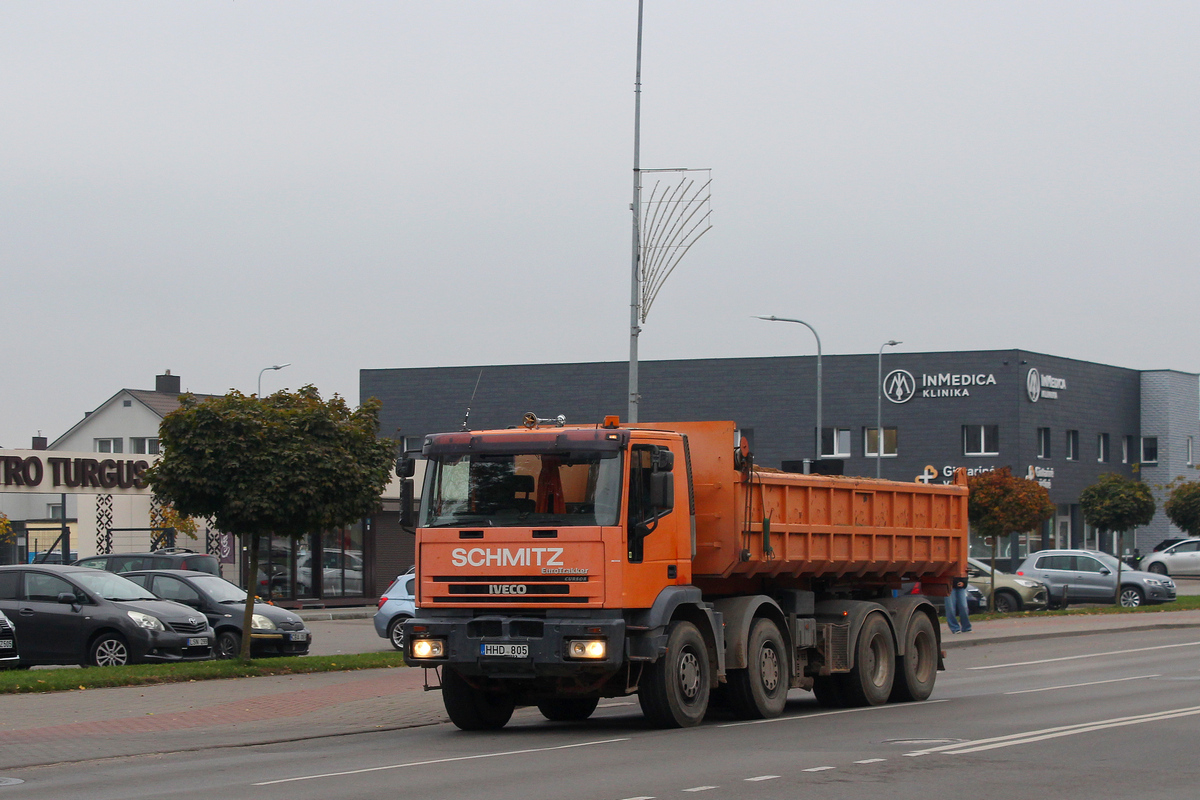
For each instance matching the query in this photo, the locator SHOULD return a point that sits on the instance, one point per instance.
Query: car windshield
(219, 589)
(111, 586)
(522, 489)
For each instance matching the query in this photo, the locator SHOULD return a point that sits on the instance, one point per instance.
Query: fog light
(587, 648)
(428, 648)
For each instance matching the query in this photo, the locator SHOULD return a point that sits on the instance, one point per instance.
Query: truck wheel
(916, 670)
(760, 690)
(568, 709)
(829, 692)
(674, 690)
(869, 683)
(473, 709)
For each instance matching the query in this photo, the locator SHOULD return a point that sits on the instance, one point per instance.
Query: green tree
(1117, 504)
(1000, 503)
(289, 464)
(1183, 505)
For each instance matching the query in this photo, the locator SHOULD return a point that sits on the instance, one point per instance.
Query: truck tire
(568, 709)
(473, 709)
(869, 682)
(916, 670)
(674, 690)
(760, 691)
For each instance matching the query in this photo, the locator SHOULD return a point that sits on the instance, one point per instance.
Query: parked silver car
(1088, 576)
(1181, 558)
(396, 605)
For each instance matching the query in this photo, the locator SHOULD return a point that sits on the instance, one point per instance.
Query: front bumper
(546, 638)
(280, 643)
(164, 646)
(1160, 594)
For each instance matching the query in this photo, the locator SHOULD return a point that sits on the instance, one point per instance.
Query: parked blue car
(396, 605)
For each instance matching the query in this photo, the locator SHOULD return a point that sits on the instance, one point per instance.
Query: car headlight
(428, 648)
(261, 623)
(1028, 584)
(146, 621)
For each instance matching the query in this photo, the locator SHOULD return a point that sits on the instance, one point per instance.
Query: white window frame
(980, 437)
(868, 434)
(1126, 441)
(1102, 448)
(1190, 462)
(1072, 445)
(1043, 443)
(149, 445)
(1143, 453)
(115, 445)
(841, 436)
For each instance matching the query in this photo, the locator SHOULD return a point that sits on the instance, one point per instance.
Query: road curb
(961, 640)
(332, 614)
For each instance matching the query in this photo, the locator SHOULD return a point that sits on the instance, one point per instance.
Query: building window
(870, 435)
(126, 403)
(1126, 449)
(1102, 448)
(1149, 449)
(54, 511)
(1072, 445)
(835, 442)
(1190, 462)
(146, 445)
(981, 440)
(110, 446)
(1043, 442)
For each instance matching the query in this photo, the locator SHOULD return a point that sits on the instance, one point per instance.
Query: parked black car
(76, 615)
(8, 643)
(275, 631)
(174, 558)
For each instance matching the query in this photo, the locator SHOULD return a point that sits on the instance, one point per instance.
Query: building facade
(1060, 421)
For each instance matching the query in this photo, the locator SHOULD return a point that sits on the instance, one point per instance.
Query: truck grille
(510, 589)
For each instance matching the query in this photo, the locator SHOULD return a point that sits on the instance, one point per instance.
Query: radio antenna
(467, 416)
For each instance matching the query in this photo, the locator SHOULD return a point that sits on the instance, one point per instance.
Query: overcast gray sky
(215, 187)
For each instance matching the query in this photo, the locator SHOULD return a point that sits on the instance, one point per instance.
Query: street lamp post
(879, 409)
(774, 318)
(264, 369)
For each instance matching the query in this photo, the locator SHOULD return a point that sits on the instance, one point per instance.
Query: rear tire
(1158, 568)
(568, 709)
(1007, 602)
(474, 709)
(674, 690)
(916, 670)
(870, 681)
(395, 632)
(760, 690)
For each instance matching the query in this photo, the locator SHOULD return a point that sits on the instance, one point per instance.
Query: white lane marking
(650, 796)
(613, 705)
(763, 778)
(1097, 727)
(441, 761)
(700, 788)
(1077, 685)
(1061, 730)
(818, 769)
(1086, 655)
(827, 713)
(870, 761)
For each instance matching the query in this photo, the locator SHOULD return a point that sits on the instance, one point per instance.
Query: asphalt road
(1100, 716)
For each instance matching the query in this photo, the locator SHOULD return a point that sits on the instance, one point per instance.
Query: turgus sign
(55, 472)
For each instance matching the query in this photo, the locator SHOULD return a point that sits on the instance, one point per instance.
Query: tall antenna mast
(635, 296)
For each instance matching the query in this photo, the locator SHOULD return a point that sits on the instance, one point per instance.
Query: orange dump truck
(558, 565)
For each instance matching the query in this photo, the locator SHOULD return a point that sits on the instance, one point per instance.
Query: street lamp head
(892, 343)
(280, 366)
(771, 318)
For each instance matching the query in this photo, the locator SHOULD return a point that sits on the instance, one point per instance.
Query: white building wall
(113, 420)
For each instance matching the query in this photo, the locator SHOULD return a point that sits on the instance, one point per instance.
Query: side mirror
(664, 460)
(66, 598)
(662, 491)
(405, 466)
(1105, 571)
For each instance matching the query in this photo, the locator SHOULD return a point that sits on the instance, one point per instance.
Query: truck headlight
(587, 648)
(428, 648)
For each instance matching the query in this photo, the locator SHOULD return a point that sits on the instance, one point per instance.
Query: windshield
(522, 489)
(111, 586)
(219, 589)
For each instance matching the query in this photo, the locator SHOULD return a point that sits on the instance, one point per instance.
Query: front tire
(395, 632)
(1131, 597)
(1007, 602)
(760, 690)
(675, 689)
(109, 650)
(870, 681)
(474, 709)
(228, 644)
(1158, 568)
(916, 670)
(568, 709)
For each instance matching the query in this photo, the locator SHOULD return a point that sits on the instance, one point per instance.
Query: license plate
(6, 644)
(300, 637)
(505, 650)
(198, 641)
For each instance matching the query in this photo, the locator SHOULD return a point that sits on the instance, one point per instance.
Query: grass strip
(1185, 603)
(60, 680)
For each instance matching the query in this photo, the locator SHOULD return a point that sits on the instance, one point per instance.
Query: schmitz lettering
(507, 557)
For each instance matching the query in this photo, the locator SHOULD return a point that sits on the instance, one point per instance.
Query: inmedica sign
(900, 385)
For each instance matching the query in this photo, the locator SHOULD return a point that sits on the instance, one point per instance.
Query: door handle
(26, 612)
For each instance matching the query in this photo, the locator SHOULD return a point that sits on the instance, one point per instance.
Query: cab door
(656, 521)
